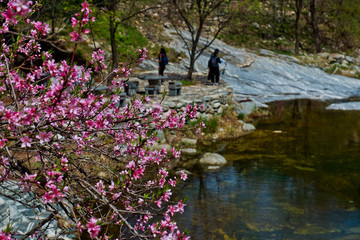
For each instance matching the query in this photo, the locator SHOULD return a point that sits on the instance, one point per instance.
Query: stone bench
(122, 101)
(131, 88)
(151, 90)
(175, 88)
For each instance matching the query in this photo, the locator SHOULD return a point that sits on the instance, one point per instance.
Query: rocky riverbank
(218, 108)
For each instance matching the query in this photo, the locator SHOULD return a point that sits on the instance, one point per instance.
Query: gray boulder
(247, 127)
(188, 151)
(160, 134)
(189, 142)
(214, 159)
(171, 105)
(335, 57)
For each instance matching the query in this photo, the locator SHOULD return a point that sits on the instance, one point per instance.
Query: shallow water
(296, 177)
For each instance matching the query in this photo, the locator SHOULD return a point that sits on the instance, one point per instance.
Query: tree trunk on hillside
(299, 5)
(192, 53)
(114, 55)
(315, 27)
(191, 67)
(53, 2)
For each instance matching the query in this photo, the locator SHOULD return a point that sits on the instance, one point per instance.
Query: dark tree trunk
(299, 5)
(53, 2)
(193, 52)
(315, 27)
(191, 67)
(113, 43)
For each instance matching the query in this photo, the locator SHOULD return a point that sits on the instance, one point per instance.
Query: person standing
(163, 61)
(213, 65)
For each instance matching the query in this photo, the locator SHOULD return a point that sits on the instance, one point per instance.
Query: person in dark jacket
(213, 65)
(162, 58)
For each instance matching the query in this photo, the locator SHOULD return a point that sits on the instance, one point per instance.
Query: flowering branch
(75, 156)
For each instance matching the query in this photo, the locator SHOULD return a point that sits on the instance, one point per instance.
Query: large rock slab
(213, 159)
(189, 142)
(188, 151)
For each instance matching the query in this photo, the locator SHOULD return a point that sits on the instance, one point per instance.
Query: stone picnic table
(154, 86)
(153, 79)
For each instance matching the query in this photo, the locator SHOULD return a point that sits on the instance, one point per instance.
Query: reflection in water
(296, 177)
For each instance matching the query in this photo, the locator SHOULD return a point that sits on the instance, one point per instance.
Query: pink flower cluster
(84, 19)
(5, 236)
(58, 137)
(93, 228)
(16, 8)
(167, 228)
(54, 192)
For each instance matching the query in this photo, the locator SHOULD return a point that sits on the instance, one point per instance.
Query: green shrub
(240, 116)
(211, 124)
(186, 83)
(192, 124)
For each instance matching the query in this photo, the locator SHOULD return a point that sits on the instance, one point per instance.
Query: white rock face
(272, 76)
(345, 106)
(213, 159)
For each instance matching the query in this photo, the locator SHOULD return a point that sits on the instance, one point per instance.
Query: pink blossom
(93, 229)
(172, 182)
(75, 36)
(21, 6)
(44, 137)
(85, 6)
(138, 172)
(47, 197)
(176, 153)
(26, 142)
(183, 175)
(4, 161)
(112, 186)
(131, 165)
(80, 227)
(167, 195)
(100, 187)
(9, 15)
(73, 22)
(3, 142)
(5, 236)
(158, 203)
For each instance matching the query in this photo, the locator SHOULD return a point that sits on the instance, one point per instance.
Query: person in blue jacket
(213, 65)
(163, 61)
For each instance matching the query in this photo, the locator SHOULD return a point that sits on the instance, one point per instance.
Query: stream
(296, 177)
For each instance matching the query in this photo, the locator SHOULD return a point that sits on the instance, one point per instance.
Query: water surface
(296, 177)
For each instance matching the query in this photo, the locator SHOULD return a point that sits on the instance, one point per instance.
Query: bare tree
(200, 18)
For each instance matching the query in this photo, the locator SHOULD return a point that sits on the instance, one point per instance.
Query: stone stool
(122, 101)
(175, 88)
(131, 88)
(151, 89)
